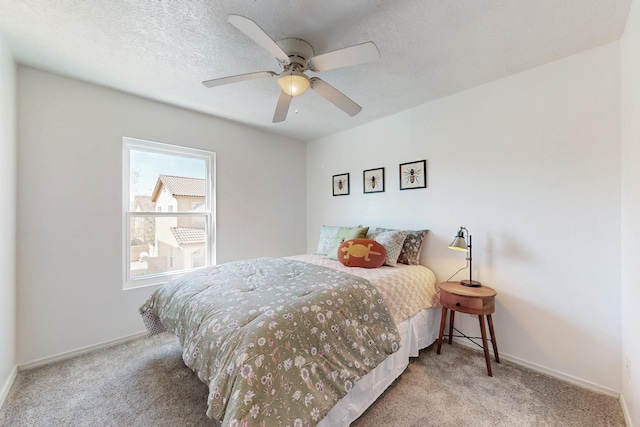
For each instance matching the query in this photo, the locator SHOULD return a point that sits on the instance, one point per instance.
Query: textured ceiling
(164, 49)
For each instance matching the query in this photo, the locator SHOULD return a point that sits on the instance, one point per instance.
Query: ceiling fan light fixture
(294, 83)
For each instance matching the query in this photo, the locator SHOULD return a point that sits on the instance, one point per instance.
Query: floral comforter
(277, 341)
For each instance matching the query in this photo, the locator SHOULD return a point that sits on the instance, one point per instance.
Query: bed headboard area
(401, 246)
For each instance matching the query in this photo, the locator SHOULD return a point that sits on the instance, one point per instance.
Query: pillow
(327, 236)
(392, 242)
(343, 234)
(410, 253)
(365, 253)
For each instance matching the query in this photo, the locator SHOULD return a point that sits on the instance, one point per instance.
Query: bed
(299, 341)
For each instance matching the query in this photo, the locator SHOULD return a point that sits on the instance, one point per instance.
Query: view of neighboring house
(179, 240)
(143, 229)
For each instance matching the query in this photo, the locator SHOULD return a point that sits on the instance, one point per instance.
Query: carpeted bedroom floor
(145, 383)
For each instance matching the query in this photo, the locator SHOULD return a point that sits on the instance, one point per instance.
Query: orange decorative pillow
(365, 253)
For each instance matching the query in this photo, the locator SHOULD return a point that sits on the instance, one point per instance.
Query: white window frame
(209, 158)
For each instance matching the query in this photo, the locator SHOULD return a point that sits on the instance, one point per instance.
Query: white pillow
(392, 242)
(327, 236)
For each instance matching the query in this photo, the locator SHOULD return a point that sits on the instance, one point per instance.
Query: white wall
(530, 164)
(7, 220)
(69, 199)
(631, 216)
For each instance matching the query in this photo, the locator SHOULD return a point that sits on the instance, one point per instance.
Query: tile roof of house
(188, 235)
(180, 186)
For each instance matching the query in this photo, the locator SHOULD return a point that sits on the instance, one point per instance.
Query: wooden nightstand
(478, 301)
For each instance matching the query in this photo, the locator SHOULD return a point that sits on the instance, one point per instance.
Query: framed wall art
(341, 184)
(373, 180)
(413, 175)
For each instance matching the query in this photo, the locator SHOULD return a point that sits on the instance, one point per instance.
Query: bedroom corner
(7, 221)
(630, 361)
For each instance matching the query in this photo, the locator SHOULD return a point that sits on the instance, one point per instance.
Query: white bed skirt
(417, 332)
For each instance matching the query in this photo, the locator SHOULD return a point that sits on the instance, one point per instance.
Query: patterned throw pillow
(327, 236)
(364, 253)
(411, 247)
(392, 242)
(345, 233)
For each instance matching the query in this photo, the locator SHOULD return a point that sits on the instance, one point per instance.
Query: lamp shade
(459, 243)
(294, 83)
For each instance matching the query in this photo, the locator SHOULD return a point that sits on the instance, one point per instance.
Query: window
(168, 211)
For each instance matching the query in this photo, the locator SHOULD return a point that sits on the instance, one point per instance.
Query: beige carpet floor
(145, 383)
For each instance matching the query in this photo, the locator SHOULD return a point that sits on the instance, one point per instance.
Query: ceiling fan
(296, 56)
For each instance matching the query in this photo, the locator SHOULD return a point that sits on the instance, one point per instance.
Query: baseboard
(83, 350)
(546, 371)
(625, 411)
(7, 385)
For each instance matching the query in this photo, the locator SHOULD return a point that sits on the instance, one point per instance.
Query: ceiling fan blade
(334, 96)
(358, 54)
(257, 34)
(282, 108)
(238, 78)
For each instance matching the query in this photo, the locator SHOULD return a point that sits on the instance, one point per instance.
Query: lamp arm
(470, 259)
(459, 270)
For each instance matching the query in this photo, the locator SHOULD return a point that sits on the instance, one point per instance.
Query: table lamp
(460, 244)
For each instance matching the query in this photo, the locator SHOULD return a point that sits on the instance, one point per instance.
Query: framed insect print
(413, 175)
(373, 180)
(341, 184)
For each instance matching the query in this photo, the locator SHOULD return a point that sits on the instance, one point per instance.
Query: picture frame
(373, 181)
(341, 184)
(413, 175)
